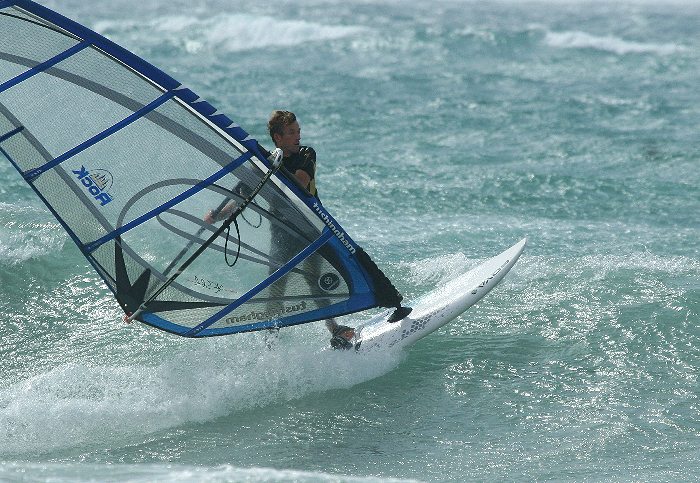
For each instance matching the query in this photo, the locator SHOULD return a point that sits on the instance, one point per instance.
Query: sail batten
(8, 135)
(32, 174)
(131, 163)
(43, 66)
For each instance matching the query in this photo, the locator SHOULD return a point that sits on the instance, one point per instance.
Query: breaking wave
(228, 32)
(608, 43)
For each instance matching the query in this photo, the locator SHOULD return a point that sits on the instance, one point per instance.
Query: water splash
(77, 404)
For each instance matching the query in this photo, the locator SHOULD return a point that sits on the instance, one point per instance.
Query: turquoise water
(446, 131)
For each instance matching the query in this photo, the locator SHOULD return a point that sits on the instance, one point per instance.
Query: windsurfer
(300, 162)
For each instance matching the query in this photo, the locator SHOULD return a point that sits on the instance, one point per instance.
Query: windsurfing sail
(129, 161)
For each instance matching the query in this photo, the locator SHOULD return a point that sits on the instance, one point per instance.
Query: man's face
(290, 138)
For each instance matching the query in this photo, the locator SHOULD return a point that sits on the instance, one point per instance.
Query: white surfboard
(438, 307)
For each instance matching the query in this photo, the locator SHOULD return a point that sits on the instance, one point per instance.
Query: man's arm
(302, 177)
(241, 189)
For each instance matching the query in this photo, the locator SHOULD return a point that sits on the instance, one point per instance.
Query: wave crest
(229, 32)
(616, 45)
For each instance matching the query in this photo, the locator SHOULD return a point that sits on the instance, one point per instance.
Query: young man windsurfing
(299, 162)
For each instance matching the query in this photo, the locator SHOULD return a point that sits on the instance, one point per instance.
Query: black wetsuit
(305, 160)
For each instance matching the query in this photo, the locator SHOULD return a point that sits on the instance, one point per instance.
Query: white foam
(229, 32)
(149, 473)
(439, 270)
(25, 233)
(609, 43)
(76, 404)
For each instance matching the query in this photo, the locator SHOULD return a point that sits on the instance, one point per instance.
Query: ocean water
(446, 130)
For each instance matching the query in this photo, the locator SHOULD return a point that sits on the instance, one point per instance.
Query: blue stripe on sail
(8, 135)
(357, 302)
(279, 273)
(34, 173)
(103, 43)
(163, 324)
(165, 206)
(43, 66)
